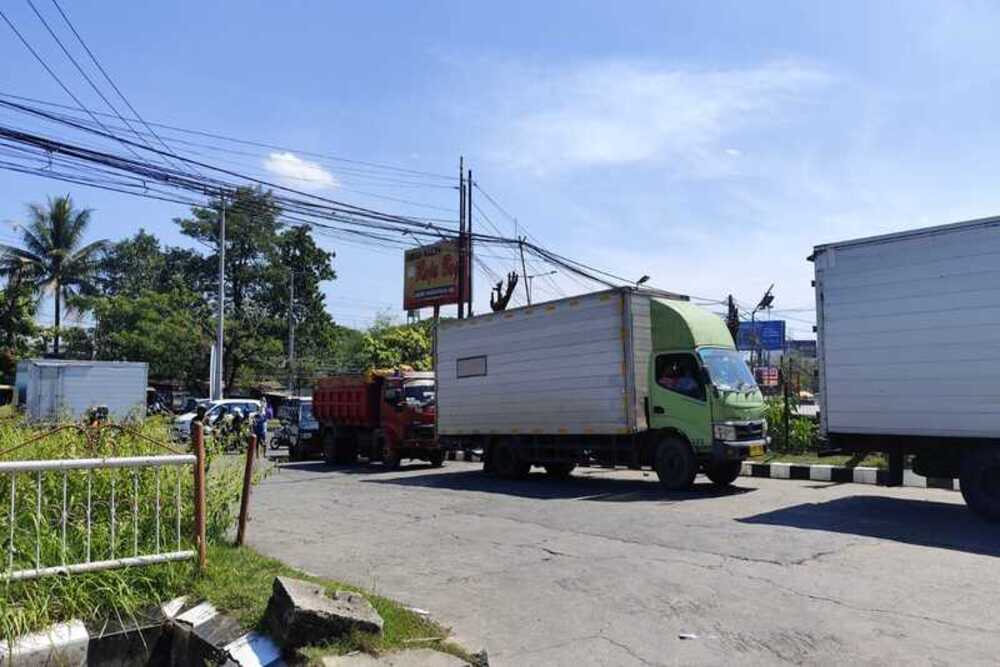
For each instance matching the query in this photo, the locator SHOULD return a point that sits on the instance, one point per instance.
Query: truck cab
(705, 410)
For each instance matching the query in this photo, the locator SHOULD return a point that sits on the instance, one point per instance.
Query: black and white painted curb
(199, 635)
(840, 474)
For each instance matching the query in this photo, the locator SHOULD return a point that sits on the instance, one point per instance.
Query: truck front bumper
(737, 450)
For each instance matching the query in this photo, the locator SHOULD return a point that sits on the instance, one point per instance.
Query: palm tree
(53, 257)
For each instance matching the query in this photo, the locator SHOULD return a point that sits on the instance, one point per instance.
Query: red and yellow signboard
(430, 275)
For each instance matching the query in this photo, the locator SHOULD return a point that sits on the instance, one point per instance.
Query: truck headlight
(724, 431)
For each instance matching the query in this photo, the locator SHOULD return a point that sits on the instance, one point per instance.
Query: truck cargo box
(350, 400)
(908, 331)
(573, 366)
(49, 389)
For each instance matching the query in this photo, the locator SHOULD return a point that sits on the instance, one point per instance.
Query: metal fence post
(245, 500)
(198, 439)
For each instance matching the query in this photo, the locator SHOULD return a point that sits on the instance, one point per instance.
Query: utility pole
(524, 271)
(216, 391)
(461, 237)
(468, 235)
(291, 333)
(733, 318)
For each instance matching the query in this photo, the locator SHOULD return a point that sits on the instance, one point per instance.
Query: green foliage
(52, 256)
(801, 430)
(387, 345)
(169, 330)
(28, 606)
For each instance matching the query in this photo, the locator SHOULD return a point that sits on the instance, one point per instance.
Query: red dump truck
(382, 416)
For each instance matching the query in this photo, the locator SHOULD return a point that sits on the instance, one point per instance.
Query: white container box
(50, 389)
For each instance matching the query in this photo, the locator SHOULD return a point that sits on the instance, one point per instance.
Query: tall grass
(30, 605)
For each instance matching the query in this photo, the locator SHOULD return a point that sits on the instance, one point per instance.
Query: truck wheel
(724, 473)
(346, 450)
(980, 481)
(390, 458)
(329, 447)
(559, 470)
(506, 463)
(436, 459)
(676, 465)
(294, 454)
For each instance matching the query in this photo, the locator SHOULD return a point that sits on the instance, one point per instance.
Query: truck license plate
(756, 450)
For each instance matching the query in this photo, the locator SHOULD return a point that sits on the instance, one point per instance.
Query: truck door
(678, 398)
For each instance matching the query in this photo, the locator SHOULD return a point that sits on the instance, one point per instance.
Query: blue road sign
(765, 335)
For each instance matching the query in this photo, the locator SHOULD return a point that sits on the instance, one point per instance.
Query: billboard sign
(765, 335)
(430, 275)
(768, 376)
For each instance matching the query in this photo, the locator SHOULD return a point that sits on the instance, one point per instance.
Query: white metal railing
(157, 547)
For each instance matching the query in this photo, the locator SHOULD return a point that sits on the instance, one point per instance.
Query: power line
(62, 85)
(107, 77)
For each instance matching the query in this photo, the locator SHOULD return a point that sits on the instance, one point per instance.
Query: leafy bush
(801, 430)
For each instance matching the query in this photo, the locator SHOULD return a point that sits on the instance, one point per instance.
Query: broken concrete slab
(422, 657)
(60, 644)
(300, 613)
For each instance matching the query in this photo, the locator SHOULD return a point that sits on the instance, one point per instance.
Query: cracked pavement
(607, 569)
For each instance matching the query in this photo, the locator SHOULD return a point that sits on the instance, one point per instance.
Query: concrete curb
(465, 455)
(842, 475)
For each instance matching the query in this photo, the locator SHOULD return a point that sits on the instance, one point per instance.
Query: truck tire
(294, 454)
(346, 450)
(723, 473)
(676, 465)
(559, 470)
(506, 462)
(390, 457)
(329, 447)
(980, 481)
(436, 458)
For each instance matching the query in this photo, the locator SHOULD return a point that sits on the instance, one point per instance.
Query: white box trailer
(908, 329)
(50, 389)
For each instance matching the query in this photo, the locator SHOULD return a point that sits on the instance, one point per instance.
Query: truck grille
(750, 430)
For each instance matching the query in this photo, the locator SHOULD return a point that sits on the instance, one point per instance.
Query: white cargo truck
(908, 329)
(50, 389)
(623, 377)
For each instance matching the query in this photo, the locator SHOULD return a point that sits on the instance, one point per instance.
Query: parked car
(299, 430)
(215, 413)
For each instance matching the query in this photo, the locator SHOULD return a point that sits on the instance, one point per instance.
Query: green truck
(623, 377)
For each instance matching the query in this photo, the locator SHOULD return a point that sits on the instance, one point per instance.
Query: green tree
(168, 330)
(386, 345)
(251, 244)
(54, 257)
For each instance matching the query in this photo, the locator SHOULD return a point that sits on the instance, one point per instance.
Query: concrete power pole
(291, 334)
(461, 238)
(524, 271)
(216, 390)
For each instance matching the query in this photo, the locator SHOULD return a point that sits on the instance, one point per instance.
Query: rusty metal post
(198, 440)
(241, 531)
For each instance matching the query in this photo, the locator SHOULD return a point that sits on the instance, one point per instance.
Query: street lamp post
(528, 278)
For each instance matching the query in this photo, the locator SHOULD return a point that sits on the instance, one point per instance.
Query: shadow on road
(919, 522)
(357, 469)
(540, 486)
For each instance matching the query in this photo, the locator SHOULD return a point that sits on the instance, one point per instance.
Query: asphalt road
(606, 569)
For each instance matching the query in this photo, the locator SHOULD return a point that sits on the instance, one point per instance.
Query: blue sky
(709, 145)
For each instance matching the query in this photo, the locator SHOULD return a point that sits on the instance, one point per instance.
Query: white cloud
(295, 172)
(616, 113)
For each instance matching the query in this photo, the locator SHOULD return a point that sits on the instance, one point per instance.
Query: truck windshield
(727, 369)
(418, 392)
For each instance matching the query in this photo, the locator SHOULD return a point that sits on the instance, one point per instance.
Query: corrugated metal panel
(909, 333)
(555, 368)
